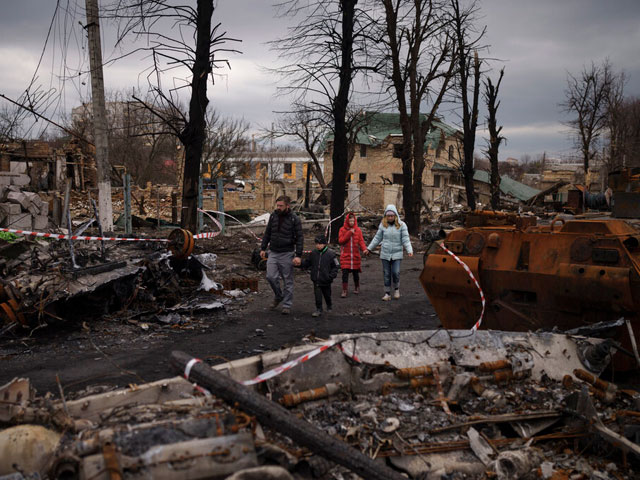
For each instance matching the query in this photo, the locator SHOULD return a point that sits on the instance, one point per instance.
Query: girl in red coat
(351, 243)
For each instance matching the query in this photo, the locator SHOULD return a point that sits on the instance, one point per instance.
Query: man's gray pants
(281, 265)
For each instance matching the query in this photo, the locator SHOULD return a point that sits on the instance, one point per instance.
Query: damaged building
(375, 173)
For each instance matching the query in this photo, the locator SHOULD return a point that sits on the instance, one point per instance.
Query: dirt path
(116, 352)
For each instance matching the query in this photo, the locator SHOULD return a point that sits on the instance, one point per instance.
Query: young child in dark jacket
(323, 266)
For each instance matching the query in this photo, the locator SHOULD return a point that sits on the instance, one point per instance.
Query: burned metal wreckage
(427, 404)
(568, 274)
(431, 404)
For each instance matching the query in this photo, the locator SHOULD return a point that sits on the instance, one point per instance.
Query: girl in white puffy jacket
(393, 236)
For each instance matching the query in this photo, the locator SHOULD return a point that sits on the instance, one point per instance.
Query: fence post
(220, 196)
(200, 204)
(128, 224)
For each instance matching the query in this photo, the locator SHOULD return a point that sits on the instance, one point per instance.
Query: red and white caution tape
(58, 236)
(209, 234)
(353, 356)
(217, 212)
(187, 372)
(289, 365)
(275, 371)
(476, 326)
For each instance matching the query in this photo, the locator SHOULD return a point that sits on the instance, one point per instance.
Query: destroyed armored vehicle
(566, 275)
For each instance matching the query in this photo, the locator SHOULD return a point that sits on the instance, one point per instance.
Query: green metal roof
(508, 186)
(380, 125)
(442, 167)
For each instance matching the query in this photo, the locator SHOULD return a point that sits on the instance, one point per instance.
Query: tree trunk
(413, 205)
(307, 191)
(467, 173)
(491, 95)
(469, 108)
(340, 157)
(495, 184)
(193, 135)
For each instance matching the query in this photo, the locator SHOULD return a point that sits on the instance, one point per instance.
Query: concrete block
(14, 188)
(44, 208)
(18, 167)
(40, 222)
(33, 197)
(20, 180)
(33, 209)
(19, 198)
(12, 178)
(20, 221)
(3, 193)
(10, 208)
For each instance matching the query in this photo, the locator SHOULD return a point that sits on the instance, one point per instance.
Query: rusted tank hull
(564, 275)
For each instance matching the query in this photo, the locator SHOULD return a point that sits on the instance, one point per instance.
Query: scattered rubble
(383, 405)
(22, 210)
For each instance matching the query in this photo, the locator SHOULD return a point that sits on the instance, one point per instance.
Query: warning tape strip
(289, 365)
(187, 372)
(277, 370)
(476, 326)
(209, 234)
(59, 236)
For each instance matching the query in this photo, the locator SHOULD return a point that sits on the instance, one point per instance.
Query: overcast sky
(538, 42)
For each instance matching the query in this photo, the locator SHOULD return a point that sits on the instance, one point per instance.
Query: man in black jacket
(283, 236)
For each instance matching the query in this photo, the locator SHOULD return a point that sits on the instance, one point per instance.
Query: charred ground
(131, 343)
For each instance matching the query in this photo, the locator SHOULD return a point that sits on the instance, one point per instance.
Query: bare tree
(418, 42)
(137, 138)
(586, 99)
(624, 130)
(195, 47)
(10, 123)
(623, 126)
(226, 139)
(491, 92)
(467, 40)
(327, 49)
(303, 125)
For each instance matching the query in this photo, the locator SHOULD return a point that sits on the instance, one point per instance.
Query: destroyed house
(509, 188)
(375, 173)
(265, 175)
(271, 164)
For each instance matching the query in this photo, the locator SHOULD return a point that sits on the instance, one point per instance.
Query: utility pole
(105, 207)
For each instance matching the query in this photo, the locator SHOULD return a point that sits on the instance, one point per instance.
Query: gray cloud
(537, 43)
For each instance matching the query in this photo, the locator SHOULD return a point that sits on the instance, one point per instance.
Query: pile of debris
(22, 210)
(41, 286)
(428, 404)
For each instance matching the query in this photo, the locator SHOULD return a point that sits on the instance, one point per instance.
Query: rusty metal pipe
(414, 371)
(493, 366)
(293, 399)
(503, 376)
(595, 381)
(421, 382)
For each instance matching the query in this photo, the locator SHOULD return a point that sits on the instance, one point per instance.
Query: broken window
(397, 150)
(397, 178)
(363, 151)
(288, 168)
(451, 153)
(362, 177)
(436, 181)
